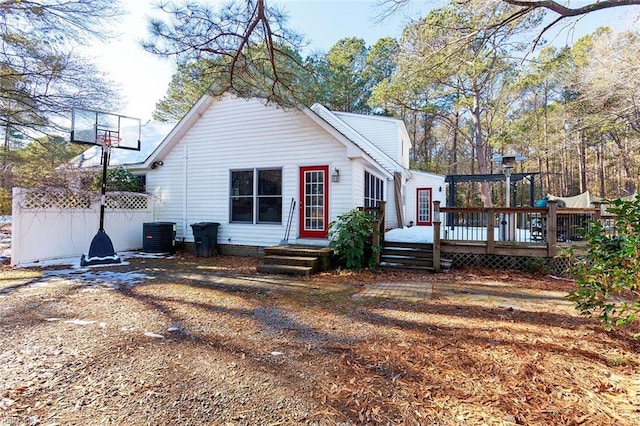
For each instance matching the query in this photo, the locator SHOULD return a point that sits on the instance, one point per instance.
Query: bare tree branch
(566, 11)
(246, 41)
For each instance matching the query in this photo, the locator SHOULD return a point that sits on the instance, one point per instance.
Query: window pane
(270, 209)
(242, 209)
(269, 182)
(424, 206)
(242, 183)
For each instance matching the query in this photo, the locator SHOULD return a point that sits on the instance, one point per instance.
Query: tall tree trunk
(626, 160)
(601, 172)
(478, 143)
(454, 148)
(582, 164)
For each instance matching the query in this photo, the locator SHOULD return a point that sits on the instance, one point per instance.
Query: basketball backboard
(92, 127)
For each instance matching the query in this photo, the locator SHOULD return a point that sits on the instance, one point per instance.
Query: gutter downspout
(185, 170)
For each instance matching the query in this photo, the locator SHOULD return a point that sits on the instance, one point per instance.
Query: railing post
(375, 242)
(491, 225)
(552, 228)
(382, 207)
(598, 212)
(436, 211)
(436, 245)
(436, 236)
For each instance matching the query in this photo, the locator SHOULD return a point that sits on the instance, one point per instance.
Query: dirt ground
(209, 341)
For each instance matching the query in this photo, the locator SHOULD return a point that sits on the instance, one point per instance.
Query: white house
(245, 164)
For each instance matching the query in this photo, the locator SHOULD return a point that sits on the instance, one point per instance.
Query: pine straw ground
(209, 341)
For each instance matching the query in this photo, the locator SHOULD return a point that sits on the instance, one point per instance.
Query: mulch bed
(191, 343)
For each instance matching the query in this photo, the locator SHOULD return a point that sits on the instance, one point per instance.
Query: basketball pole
(101, 251)
(106, 147)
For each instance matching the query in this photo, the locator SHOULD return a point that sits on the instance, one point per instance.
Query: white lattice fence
(57, 223)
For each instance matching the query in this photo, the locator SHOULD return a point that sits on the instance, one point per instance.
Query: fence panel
(50, 224)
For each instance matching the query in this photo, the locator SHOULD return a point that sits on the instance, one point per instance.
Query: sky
(143, 78)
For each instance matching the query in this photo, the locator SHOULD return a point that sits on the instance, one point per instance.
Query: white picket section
(50, 224)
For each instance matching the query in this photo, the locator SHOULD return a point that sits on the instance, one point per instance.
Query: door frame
(301, 182)
(430, 204)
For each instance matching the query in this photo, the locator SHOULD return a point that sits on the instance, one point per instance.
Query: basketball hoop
(109, 140)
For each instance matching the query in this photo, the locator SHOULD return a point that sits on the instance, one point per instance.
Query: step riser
(293, 251)
(295, 260)
(283, 269)
(278, 260)
(414, 246)
(414, 257)
(408, 268)
(408, 262)
(407, 253)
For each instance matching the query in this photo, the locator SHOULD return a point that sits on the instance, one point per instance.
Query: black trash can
(159, 237)
(205, 236)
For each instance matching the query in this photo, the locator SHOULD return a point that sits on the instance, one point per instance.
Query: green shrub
(350, 239)
(607, 275)
(118, 179)
(5, 201)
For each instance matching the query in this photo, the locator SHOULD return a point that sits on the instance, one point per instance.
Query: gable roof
(365, 144)
(384, 132)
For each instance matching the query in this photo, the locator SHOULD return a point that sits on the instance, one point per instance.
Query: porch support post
(532, 190)
(491, 225)
(382, 212)
(552, 228)
(375, 242)
(436, 236)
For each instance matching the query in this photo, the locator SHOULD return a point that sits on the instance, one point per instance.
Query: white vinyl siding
(423, 180)
(384, 132)
(237, 134)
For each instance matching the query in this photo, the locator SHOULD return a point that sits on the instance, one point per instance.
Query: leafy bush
(5, 201)
(607, 275)
(350, 239)
(118, 179)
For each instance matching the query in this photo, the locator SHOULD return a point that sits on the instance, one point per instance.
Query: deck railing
(526, 231)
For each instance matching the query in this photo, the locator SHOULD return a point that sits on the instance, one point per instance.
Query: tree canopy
(458, 77)
(42, 76)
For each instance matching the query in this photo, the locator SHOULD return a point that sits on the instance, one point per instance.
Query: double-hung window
(373, 190)
(256, 196)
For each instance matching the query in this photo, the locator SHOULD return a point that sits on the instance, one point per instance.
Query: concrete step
(284, 269)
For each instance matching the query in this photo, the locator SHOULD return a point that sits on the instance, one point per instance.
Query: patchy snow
(154, 335)
(74, 262)
(79, 322)
(91, 276)
(413, 234)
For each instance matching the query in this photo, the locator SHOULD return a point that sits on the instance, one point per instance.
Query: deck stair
(295, 260)
(407, 256)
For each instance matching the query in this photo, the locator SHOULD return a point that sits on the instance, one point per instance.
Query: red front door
(314, 201)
